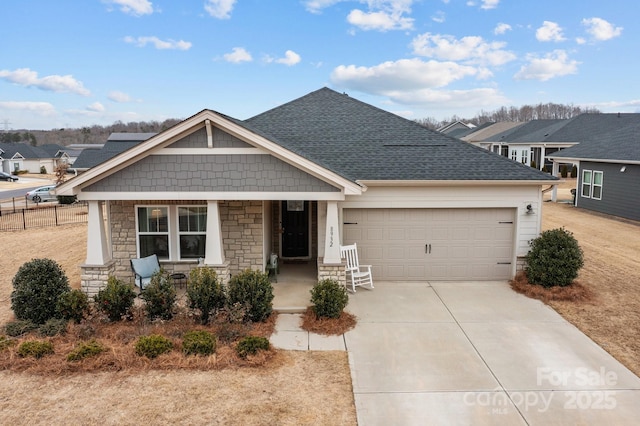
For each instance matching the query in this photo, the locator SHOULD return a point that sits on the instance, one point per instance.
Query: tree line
(85, 135)
(548, 111)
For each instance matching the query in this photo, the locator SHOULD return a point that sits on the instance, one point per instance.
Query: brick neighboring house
(300, 180)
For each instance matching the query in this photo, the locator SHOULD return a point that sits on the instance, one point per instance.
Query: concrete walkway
(472, 354)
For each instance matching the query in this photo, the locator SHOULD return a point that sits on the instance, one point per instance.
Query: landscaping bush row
(197, 342)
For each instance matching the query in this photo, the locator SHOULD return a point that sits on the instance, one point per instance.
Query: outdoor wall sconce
(623, 169)
(529, 209)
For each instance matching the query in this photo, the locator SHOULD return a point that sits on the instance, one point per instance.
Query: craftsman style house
(300, 180)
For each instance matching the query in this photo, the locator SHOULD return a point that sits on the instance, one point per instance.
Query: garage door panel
(464, 243)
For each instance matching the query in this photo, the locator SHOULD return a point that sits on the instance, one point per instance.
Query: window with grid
(153, 231)
(596, 188)
(192, 231)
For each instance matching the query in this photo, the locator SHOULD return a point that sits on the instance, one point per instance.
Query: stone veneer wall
(241, 239)
(93, 277)
(521, 263)
(332, 272)
(242, 235)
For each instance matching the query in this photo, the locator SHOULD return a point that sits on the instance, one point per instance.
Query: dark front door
(295, 225)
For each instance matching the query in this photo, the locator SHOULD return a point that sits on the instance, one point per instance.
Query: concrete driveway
(477, 353)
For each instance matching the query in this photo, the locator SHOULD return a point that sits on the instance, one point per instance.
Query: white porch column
(332, 235)
(214, 253)
(543, 154)
(554, 172)
(97, 246)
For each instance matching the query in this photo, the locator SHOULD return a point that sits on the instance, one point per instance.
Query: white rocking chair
(360, 275)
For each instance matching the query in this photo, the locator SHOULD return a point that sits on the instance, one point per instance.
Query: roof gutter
(435, 183)
(595, 160)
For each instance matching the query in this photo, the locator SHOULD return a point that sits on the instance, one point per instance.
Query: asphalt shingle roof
(116, 144)
(362, 142)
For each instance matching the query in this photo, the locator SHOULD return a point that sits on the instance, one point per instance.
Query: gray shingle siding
(225, 173)
(221, 139)
(620, 190)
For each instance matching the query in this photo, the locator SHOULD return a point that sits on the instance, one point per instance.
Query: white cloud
(484, 4)
(549, 31)
(600, 29)
(489, 4)
(381, 21)
(158, 44)
(580, 40)
(402, 75)
(220, 9)
(501, 28)
(553, 64)
(447, 99)
(54, 83)
(133, 7)
(316, 6)
(290, 58)
(238, 55)
(119, 97)
(95, 107)
(439, 17)
(40, 108)
(472, 49)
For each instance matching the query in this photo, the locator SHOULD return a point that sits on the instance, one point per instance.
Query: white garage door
(433, 244)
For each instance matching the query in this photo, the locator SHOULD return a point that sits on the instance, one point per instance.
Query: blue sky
(73, 63)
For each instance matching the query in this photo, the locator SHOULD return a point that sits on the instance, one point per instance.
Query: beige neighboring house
(299, 181)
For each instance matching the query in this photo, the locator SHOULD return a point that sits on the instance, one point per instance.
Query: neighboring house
(455, 126)
(300, 180)
(608, 165)
(20, 156)
(486, 131)
(116, 143)
(527, 143)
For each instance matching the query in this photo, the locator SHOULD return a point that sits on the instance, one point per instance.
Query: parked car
(8, 177)
(41, 194)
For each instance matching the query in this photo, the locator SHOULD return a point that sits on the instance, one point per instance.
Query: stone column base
(223, 271)
(332, 271)
(94, 278)
(521, 263)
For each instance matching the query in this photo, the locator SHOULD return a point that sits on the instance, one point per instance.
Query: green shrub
(152, 346)
(116, 299)
(43, 170)
(329, 299)
(20, 327)
(66, 199)
(574, 171)
(564, 172)
(253, 289)
(35, 348)
(53, 327)
(86, 350)
(250, 345)
(198, 342)
(6, 343)
(73, 305)
(160, 296)
(205, 292)
(554, 259)
(36, 288)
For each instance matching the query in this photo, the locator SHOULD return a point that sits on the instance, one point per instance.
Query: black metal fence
(41, 216)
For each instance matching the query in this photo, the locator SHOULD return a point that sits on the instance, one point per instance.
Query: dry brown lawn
(294, 388)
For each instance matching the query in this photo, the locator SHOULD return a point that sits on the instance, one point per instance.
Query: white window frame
(181, 233)
(584, 185)
(514, 154)
(167, 233)
(594, 185)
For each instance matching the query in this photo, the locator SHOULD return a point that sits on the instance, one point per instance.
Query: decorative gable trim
(157, 144)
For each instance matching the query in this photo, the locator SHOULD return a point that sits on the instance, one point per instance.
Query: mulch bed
(120, 337)
(327, 326)
(575, 292)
